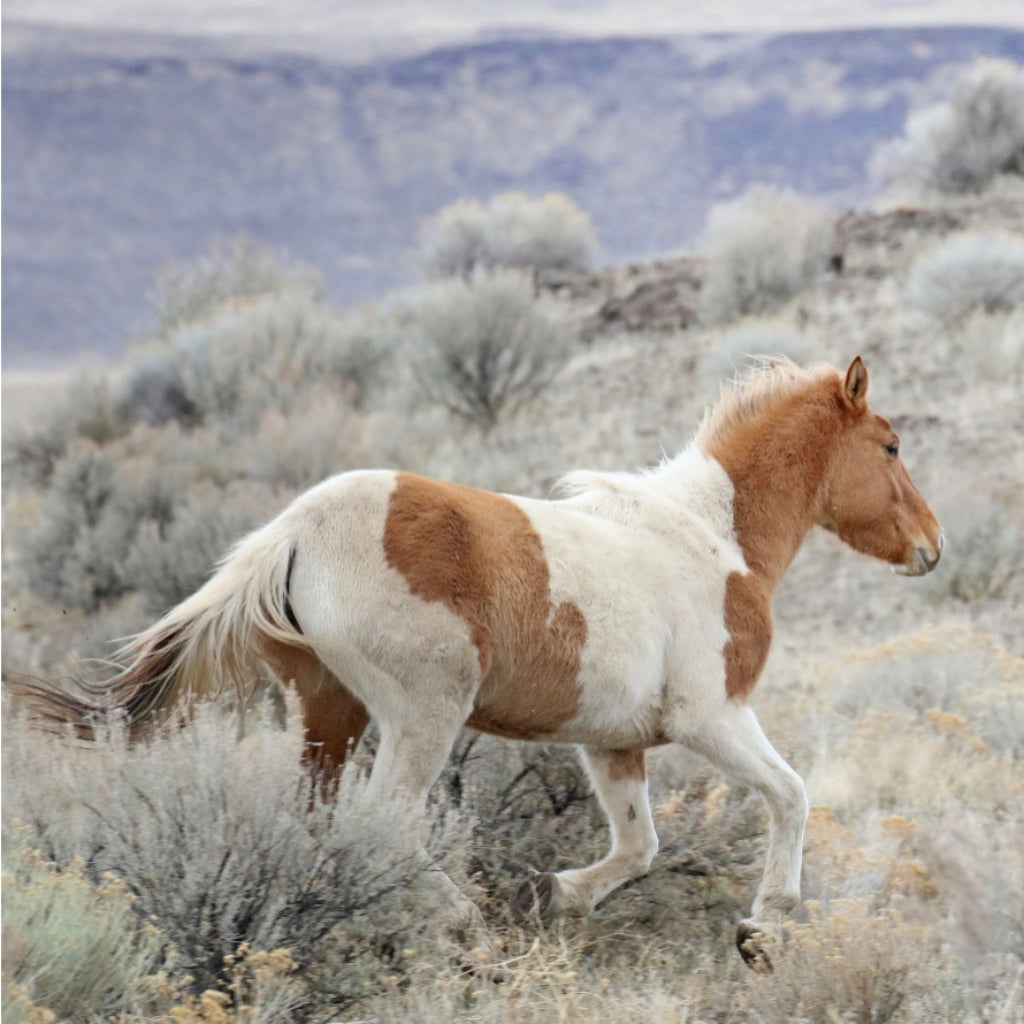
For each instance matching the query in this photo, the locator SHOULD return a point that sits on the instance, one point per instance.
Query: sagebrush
(964, 143)
(762, 249)
(510, 230)
(969, 271)
(484, 346)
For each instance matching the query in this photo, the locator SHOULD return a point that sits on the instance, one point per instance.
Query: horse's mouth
(922, 562)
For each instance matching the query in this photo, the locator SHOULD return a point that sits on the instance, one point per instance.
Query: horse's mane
(748, 397)
(765, 383)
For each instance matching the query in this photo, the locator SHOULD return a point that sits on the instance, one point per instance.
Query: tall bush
(245, 356)
(762, 248)
(75, 554)
(973, 270)
(485, 345)
(510, 230)
(964, 143)
(236, 268)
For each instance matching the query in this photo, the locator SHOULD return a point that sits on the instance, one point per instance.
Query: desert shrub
(510, 230)
(963, 144)
(453, 241)
(531, 805)
(935, 668)
(155, 391)
(220, 846)
(848, 963)
(244, 357)
(357, 350)
(484, 346)
(762, 248)
(976, 270)
(239, 331)
(301, 447)
(82, 409)
(76, 552)
(170, 561)
(237, 268)
(73, 945)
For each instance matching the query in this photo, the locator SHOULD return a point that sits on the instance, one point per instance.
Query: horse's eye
(892, 450)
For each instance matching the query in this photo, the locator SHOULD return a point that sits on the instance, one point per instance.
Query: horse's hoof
(535, 897)
(750, 942)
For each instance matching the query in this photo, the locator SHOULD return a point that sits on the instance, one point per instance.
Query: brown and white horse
(634, 610)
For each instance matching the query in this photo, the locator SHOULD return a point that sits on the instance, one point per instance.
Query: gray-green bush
(235, 268)
(484, 346)
(246, 356)
(73, 945)
(219, 843)
(76, 552)
(981, 270)
(963, 144)
(510, 230)
(83, 408)
(171, 561)
(762, 249)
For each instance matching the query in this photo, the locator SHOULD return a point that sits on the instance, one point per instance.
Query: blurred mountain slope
(123, 150)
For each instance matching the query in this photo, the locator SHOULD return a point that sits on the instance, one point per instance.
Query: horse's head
(870, 502)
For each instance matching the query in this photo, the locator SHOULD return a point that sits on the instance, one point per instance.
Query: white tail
(212, 642)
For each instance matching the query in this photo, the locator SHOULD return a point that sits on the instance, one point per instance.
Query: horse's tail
(212, 642)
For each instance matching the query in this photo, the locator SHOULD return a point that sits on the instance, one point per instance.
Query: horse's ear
(856, 386)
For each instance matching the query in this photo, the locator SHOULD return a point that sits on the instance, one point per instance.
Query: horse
(627, 611)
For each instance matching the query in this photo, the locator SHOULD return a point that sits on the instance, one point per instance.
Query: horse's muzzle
(923, 560)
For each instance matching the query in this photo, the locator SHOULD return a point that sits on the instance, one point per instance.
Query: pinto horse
(635, 609)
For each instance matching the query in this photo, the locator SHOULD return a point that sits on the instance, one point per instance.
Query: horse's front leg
(736, 744)
(620, 781)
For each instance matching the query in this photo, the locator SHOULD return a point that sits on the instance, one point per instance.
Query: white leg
(736, 744)
(620, 781)
(407, 764)
(418, 721)
(410, 758)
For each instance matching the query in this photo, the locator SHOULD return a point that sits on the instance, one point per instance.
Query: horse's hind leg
(334, 722)
(620, 781)
(419, 720)
(333, 719)
(410, 757)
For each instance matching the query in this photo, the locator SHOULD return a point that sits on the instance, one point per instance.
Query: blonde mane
(747, 397)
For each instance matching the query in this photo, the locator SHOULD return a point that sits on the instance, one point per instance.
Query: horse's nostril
(928, 560)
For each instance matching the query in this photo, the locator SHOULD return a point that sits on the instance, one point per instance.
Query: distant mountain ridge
(121, 151)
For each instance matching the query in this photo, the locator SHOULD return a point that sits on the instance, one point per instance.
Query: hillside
(900, 701)
(123, 150)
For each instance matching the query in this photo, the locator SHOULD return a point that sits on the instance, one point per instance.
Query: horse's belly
(593, 708)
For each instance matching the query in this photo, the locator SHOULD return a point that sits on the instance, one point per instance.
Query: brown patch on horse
(333, 719)
(478, 554)
(748, 618)
(627, 764)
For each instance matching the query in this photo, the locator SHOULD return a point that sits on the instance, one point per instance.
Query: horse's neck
(777, 481)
